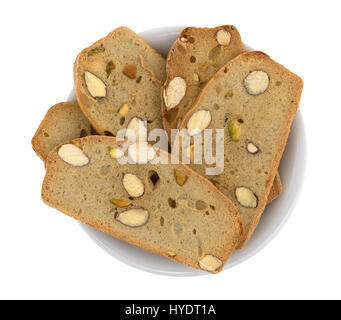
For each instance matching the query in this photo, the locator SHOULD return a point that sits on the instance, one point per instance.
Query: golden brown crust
(229, 210)
(294, 86)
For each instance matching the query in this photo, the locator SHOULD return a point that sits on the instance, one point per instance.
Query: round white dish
(292, 169)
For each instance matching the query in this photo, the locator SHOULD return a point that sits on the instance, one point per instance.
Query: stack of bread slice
(208, 81)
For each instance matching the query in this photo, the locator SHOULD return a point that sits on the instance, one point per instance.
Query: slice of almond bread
(164, 208)
(63, 122)
(119, 78)
(196, 55)
(255, 106)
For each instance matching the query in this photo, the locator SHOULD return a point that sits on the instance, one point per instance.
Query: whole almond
(198, 122)
(73, 155)
(174, 92)
(133, 185)
(210, 263)
(95, 85)
(133, 217)
(256, 82)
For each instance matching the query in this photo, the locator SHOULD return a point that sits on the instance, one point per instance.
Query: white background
(45, 254)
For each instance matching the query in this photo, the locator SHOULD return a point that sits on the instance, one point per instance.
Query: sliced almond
(120, 203)
(198, 122)
(73, 155)
(252, 148)
(124, 109)
(141, 152)
(246, 197)
(180, 177)
(174, 92)
(210, 263)
(256, 82)
(223, 37)
(136, 130)
(116, 152)
(133, 185)
(133, 217)
(95, 85)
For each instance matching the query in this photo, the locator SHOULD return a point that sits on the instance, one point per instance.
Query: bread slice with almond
(63, 122)
(118, 79)
(256, 106)
(164, 208)
(196, 55)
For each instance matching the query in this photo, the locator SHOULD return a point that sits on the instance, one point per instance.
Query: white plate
(291, 169)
